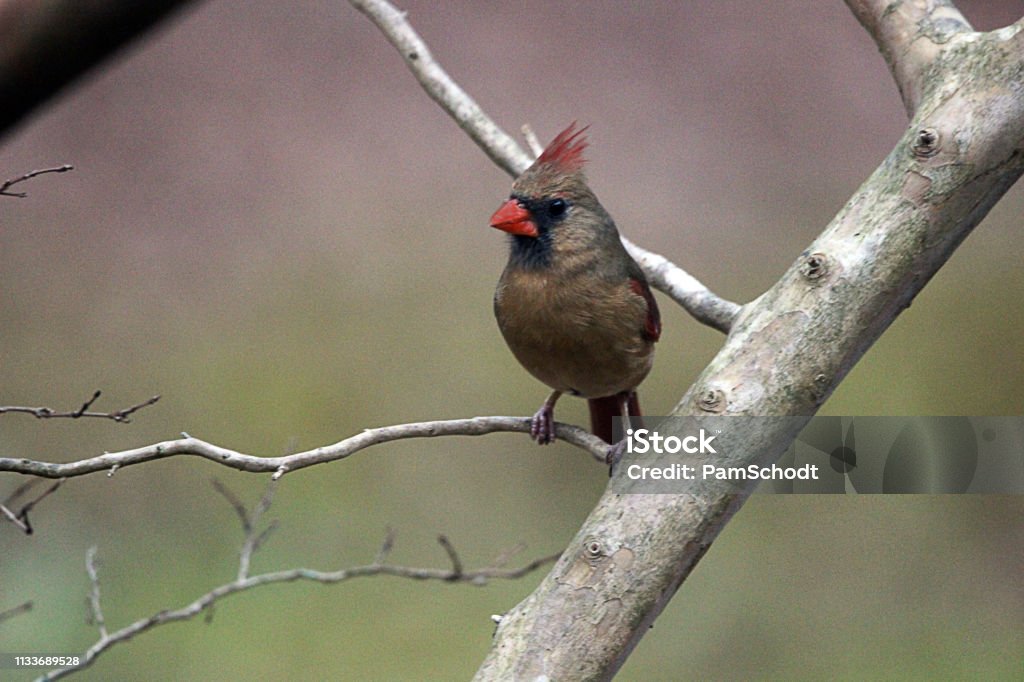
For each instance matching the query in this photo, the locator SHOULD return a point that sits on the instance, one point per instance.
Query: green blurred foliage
(271, 226)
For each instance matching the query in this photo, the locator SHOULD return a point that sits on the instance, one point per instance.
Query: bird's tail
(603, 412)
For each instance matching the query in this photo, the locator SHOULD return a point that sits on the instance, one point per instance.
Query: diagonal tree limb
(46, 44)
(788, 350)
(910, 34)
(785, 355)
(705, 306)
(494, 141)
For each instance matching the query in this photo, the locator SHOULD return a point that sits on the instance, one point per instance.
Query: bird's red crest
(565, 153)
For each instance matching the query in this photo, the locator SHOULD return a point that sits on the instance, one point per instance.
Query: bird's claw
(614, 455)
(542, 426)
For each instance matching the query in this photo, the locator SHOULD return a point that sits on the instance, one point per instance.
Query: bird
(573, 306)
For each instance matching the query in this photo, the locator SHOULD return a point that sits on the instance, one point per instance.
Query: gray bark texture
(790, 348)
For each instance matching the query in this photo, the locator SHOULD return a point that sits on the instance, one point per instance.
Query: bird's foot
(615, 453)
(542, 426)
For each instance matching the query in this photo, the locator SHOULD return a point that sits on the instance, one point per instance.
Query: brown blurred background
(273, 227)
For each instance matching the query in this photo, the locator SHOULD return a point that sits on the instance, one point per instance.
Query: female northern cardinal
(572, 304)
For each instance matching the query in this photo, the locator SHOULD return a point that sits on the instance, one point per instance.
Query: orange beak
(512, 217)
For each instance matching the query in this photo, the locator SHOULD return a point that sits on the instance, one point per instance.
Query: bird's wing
(652, 323)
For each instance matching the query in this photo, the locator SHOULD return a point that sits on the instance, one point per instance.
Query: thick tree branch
(788, 351)
(45, 44)
(475, 426)
(254, 537)
(910, 34)
(664, 275)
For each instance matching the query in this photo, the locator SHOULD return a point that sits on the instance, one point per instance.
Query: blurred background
(270, 225)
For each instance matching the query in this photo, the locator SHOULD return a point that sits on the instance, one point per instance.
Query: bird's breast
(579, 333)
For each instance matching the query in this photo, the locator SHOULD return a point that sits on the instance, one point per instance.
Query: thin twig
(682, 287)
(13, 518)
(20, 518)
(254, 539)
(95, 609)
(236, 504)
(386, 547)
(28, 176)
(250, 521)
(122, 416)
(532, 141)
(453, 556)
(475, 426)
(15, 610)
(243, 582)
(506, 555)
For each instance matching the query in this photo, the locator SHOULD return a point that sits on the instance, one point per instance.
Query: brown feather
(604, 411)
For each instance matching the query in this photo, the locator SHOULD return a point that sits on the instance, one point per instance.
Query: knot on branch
(593, 550)
(926, 143)
(816, 266)
(712, 400)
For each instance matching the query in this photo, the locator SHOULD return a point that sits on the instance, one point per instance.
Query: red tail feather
(603, 412)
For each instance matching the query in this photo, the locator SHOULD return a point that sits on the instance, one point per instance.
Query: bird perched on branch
(573, 306)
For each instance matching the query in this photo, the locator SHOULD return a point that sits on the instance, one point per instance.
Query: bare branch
(13, 518)
(665, 276)
(245, 582)
(494, 141)
(122, 416)
(28, 176)
(15, 610)
(250, 521)
(95, 609)
(510, 157)
(236, 504)
(910, 35)
(253, 539)
(532, 141)
(453, 556)
(20, 519)
(475, 426)
(386, 546)
(506, 556)
(47, 44)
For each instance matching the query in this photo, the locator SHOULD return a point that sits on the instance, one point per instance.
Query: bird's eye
(557, 208)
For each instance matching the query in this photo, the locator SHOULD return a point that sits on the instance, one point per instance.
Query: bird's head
(551, 204)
